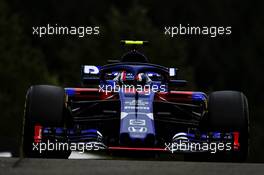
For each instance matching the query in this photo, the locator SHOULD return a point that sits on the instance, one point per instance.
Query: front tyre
(228, 112)
(44, 106)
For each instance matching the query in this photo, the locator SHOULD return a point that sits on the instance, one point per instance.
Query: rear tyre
(228, 112)
(44, 106)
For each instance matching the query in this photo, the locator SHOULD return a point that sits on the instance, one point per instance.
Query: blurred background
(232, 62)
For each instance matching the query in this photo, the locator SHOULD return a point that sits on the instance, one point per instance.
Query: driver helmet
(125, 77)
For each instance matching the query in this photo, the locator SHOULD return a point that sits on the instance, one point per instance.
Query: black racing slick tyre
(44, 106)
(228, 112)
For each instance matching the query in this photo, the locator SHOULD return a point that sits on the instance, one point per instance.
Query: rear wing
(90, 74)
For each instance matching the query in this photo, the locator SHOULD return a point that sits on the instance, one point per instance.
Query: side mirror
(90, 75)
(90, 81)
(177, 83)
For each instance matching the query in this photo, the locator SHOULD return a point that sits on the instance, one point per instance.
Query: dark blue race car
(132, 105)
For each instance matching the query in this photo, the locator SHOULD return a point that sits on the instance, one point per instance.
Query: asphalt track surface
(125, 167)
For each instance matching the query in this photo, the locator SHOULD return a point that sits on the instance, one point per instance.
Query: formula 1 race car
(131, 105)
